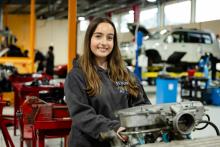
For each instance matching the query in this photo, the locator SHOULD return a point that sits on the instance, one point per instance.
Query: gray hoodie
(93, 115)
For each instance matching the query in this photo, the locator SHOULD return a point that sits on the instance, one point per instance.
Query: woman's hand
(122, 137)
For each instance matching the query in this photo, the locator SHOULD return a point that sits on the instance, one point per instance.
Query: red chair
(4, 122)
(29, 113)
(16, 81)
(26, 119)
(52, 121)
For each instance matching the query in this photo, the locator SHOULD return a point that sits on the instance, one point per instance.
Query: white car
(185, 46)
(191, 43)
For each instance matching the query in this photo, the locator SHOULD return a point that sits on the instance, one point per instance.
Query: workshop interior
(171, 46)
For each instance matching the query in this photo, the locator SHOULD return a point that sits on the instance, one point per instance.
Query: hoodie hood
(75, 63)
(97, 68)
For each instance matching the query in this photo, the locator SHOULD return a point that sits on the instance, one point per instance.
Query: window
(126, 18)
(199, 37)
(148, 18)
(194, 37)
(115, 20)
(83, 25)
(178, 37)
(206, 38)
(177, 13)
(207, 10)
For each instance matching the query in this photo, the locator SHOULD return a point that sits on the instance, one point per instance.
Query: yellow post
(32, 34)
(71, 32)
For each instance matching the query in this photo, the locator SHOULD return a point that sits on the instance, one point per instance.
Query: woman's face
(102, 41)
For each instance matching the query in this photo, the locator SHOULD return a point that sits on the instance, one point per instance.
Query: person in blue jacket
(98, 85)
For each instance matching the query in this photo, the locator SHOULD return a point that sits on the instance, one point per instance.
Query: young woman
(98, 85)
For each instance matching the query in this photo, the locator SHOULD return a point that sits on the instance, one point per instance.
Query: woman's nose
(104, 40)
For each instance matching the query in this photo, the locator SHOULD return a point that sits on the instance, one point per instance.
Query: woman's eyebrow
(99, 33)
(111, 34)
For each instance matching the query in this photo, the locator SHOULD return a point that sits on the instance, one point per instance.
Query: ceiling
(58, 8)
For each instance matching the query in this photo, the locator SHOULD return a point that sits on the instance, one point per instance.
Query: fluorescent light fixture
(59, 1)
(81, 18)
(152, 1)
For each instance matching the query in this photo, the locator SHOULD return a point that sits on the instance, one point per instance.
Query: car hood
(141, 28)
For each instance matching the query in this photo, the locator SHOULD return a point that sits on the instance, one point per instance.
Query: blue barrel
(215, 96)
(166, 90)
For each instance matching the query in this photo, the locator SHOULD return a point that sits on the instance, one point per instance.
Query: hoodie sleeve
(83, 115)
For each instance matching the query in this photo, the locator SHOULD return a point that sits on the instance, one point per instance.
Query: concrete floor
(212, 111)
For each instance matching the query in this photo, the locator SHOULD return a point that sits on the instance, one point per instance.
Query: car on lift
(185, 46)
(193, 42)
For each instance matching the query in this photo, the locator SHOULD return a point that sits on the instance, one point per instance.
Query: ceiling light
(59, 1)
(81, 18)
(152, 1)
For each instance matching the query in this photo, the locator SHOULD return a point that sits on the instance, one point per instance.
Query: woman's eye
(97, 36)
(110, 38)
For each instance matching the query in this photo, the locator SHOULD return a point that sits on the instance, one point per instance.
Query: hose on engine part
(212, 124)
(205, 124)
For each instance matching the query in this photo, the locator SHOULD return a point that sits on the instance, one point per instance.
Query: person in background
(98, 85)
(50, 61)
(25, 53)
(40, 59)
(10, 39)
(213, 61)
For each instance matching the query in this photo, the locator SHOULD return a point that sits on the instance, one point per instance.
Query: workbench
(200, 142)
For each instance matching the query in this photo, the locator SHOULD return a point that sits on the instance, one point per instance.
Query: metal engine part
(156, 123)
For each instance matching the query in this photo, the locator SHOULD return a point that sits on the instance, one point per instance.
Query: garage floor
(213, 112)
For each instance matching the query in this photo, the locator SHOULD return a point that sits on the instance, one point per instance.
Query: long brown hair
(116, 66)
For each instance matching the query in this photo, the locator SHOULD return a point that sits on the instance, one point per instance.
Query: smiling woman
(102, 43)
(98, 85)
